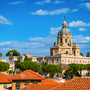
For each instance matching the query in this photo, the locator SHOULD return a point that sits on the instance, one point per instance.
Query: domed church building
(64, 43)
(62, 53)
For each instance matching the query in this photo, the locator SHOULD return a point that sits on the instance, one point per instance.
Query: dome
(64, 30)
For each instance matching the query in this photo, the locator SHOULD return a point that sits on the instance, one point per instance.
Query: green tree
(29, 65)
(81, 54)
(88, 68)
(52, 69)
(26, 58)
(0, 54)
(18, 64)
(46, 63)
(80, 67)
(14, 53)
(74, 70)
(4, 66)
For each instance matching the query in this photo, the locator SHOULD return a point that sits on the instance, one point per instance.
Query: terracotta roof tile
(27, 75)
(45, 85)
(4, 78)
(75, 84)
(49, 81)
(38, 87)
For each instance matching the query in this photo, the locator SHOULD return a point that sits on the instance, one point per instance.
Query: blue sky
(31, 26)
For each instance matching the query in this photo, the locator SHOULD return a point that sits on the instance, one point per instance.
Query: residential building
(3, 60)
(25, 78)
(4, 81)
(46, 84)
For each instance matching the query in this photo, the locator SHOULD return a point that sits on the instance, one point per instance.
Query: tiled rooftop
(4, 78)
(27, 75)
(75, 84)
(45, 85)
(49, 81)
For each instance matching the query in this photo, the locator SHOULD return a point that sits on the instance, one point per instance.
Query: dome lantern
(64, 24)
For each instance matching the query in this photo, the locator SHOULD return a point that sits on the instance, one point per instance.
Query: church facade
(64, 43)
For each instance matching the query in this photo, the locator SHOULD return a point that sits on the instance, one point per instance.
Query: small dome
(64, 30)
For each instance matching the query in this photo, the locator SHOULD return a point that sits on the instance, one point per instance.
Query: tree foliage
(74, 70)
(26, 58)
(18, 64)
(4, 66)
(0, 54)
(81, 54)
(88, 66)
(46, 63)
(14, 53)
(52, 69)
(29, 65)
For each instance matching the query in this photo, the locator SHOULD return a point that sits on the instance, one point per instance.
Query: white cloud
(55, 30)
(42, 40)
(82, 29)
(86, 5)
(5, 43)
(39, 3)
(40, 12)
(40, 45)
(78, 24)
(74, 10)
(55, 12)
(3, 20)
(17, 2)
(42, 2)
(81, 39)
(35, 45)
(58, 2)
(47, 1)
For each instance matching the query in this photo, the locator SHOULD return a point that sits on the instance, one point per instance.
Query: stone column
(21, 85)
(13, 85)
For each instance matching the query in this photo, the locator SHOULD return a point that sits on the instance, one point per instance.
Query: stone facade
(64, 43)
(3, 60)
(3, 86)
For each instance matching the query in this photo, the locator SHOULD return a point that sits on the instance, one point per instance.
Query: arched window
(61, 40)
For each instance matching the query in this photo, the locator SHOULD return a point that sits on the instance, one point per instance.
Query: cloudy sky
(31, 26)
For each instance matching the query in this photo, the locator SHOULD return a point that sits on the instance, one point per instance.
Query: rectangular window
(35, 82)
(52, 61)
(26, 84)
(39, 61)
(65, 40)
(47, 60)
(57, 60)
(62, 60)
(66, 52)
(17, 86)
(5, 86)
